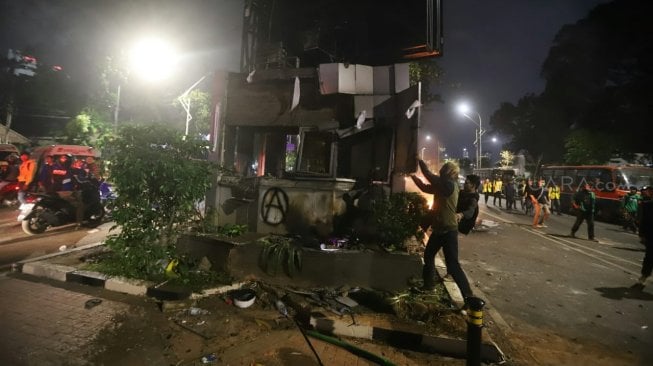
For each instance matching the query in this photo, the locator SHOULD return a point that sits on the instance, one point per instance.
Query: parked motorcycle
(9, 194)
(43, 211)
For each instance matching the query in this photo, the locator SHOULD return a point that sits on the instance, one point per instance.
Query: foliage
(230, 230)
(587, 147)
(160, 177)
(200, 110)
(507, 158)
(88, 128)
(280, 253)
(397, 218)
(429, 73)
(115, 264)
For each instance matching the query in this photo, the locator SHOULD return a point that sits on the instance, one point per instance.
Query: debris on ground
(92, 303)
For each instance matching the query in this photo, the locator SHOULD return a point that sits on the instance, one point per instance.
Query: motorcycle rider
(64, 186)
(62, 175)
(79, 177)
(11, 174)
(92, 168)
(45, 175)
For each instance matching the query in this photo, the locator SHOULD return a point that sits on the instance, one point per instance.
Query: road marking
(573, 246)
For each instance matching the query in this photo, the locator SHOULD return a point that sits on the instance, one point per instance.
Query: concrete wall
(281, 206)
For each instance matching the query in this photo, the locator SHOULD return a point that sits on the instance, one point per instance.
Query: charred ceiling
(300, 33)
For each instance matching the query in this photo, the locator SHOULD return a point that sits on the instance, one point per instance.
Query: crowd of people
(534, 197)
(59, 174)
(541, 199)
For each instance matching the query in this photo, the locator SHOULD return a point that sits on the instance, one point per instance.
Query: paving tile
(49, 324)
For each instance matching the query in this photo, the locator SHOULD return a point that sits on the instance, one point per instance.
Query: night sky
(493, 50)
(493, 53)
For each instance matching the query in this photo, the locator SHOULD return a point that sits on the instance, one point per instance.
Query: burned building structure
(323, 101)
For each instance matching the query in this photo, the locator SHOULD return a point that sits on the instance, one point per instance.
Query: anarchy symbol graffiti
(274, 206)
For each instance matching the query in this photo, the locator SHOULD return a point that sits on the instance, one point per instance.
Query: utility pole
(18, 65)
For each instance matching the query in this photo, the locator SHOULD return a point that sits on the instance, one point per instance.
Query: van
(78, 152)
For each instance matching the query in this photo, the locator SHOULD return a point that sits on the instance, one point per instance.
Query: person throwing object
(444, 227)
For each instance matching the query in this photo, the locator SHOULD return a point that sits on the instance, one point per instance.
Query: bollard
(474, 328)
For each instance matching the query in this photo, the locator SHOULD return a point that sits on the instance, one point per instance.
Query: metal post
(474, 330)
(478, 156)
(116, 110)
(480, 140)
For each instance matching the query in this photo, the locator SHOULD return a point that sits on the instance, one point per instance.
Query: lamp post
(151, 59)
(464, 110)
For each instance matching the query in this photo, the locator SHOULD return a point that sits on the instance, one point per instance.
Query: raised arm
(441, 186)
(426, 188)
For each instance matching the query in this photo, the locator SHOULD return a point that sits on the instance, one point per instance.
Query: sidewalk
(44, 324)
(40, 323)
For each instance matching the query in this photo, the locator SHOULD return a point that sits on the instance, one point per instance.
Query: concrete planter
(240, 258)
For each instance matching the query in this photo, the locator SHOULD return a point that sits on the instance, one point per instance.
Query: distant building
(10, 136)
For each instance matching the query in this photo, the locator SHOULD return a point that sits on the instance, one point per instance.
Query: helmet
(12, 157)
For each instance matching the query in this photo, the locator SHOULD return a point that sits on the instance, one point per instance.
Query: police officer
(554, 197)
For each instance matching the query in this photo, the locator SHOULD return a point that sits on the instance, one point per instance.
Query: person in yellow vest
(25, 175)
(487, 189)
(498, 188)
(554, 197)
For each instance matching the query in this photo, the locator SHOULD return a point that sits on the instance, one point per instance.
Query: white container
(337, 78)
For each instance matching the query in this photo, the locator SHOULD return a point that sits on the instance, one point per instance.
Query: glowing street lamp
(151, 59)
(465, 111)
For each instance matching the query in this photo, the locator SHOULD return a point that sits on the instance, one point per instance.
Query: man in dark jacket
(646, 232)
(444, 227)
(467, 207)
(584, 202)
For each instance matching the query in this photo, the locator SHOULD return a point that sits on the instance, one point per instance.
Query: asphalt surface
(566, 295)
(15, 245)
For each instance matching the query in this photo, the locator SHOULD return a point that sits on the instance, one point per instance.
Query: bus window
(606, 180)
(621, 180)
(636, 176)
(589, 176)
(570, 178)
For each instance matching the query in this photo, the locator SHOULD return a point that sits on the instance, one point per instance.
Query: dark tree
(598, 74)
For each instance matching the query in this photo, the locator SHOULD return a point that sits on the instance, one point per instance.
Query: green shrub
(397, 218)
(160, 177)
(280, 254)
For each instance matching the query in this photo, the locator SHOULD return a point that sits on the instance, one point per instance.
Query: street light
(464, 110)
(151, 59)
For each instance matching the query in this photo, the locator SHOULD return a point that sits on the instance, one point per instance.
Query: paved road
(15, 245)
(569, 298)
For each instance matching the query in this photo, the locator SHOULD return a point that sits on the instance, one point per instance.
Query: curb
(406, 340)
(441, 345)
(39, 268)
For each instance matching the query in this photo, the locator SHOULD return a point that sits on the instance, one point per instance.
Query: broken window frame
(302, 156)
